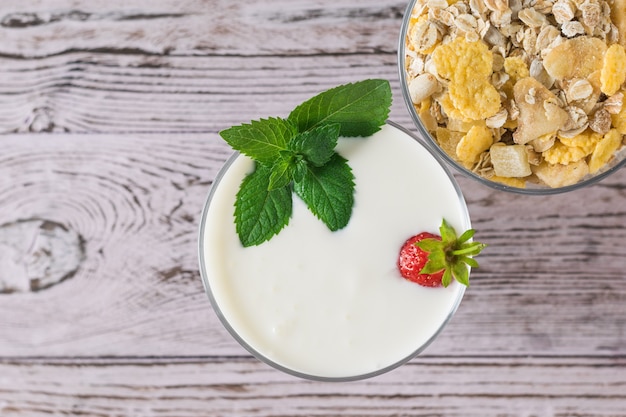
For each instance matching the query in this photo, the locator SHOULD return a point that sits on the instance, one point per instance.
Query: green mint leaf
(360, 108)
(328, 191)
(316, 145)
(261, 213)
(282, 171)
(300, 170)
(261, 140)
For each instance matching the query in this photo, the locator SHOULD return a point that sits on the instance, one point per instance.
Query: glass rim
(303, 375)
(431, 142)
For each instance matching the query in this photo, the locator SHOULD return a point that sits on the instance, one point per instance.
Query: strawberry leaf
(451, 254)
(467, 235)
(470, 249)
(446, 279)
(436, 262)
(429, 245)
(469, 261)
(447, 232)
(460, 272)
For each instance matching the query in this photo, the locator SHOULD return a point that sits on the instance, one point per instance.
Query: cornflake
(521, 91)
(613, 72)
(467, 66)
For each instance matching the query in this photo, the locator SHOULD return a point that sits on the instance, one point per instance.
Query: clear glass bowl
(216, 246)
(531, 188)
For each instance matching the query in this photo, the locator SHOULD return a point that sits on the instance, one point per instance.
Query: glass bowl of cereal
(523, 96)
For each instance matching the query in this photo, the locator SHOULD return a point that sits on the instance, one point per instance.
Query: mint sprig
(298, 155)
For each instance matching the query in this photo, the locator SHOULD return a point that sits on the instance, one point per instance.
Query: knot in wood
(36, 254)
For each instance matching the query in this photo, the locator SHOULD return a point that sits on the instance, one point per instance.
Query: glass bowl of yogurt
(332, 306)
(514, 97)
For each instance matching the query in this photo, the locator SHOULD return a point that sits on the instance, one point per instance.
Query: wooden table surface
(109, 113)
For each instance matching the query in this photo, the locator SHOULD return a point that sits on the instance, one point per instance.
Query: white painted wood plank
(197, 27)
(461, 387)
(98, 226)
(107, 93)
(135, 201)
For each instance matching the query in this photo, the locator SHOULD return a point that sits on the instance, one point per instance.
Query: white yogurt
(325, 304)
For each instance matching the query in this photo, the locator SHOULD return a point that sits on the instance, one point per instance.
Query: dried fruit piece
(557, 175)
(538, 117)
(424, 112)
(510, 160)
(600, 121)
(543, 143)
(575, 58)
(459, 125)
(448, 140)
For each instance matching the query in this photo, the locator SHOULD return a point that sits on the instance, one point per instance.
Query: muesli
(521, 90)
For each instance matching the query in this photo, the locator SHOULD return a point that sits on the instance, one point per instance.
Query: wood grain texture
(196, 27)
(461, 387)
(109, 113)
(551, 280)
(134, 202)
(108, 93)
